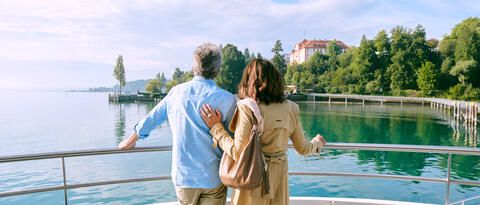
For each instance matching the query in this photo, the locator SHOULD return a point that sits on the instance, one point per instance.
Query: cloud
(157, 36)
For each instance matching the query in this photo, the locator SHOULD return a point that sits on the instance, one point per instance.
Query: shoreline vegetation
(401, 62)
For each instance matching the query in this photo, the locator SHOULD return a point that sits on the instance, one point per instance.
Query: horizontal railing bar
(159, 178)
(465, 200)
(362, 175)
(121, 181)
(53, 155)
(83, 185)
(31, 191)
(341, 146)
(465, 182)
(405, 148)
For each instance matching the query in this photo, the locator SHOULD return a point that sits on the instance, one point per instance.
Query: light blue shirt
(195, 162)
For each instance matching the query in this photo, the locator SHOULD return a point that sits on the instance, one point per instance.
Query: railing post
(449, 168)
(64, 181)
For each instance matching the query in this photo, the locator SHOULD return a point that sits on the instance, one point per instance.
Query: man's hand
(129, 143)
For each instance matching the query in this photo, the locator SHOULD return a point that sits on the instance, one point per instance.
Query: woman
(263, 83)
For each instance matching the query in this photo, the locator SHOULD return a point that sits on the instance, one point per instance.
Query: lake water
(36, 122)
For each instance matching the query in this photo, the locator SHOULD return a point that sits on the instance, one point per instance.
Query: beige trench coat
(281, 123)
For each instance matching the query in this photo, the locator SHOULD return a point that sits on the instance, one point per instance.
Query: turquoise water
(37, 122)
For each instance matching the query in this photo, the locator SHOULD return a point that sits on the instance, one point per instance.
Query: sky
(62, 45)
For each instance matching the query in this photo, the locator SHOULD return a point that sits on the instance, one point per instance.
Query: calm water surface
(36, 122)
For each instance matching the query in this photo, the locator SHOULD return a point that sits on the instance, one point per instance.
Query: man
(195, 162)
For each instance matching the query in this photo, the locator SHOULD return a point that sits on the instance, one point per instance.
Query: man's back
(195, 162)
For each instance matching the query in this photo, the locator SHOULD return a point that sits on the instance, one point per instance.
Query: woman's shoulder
(292, 106)
(286, 106)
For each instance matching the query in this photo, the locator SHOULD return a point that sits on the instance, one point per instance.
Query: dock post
(363, 102)
(459, 111)
(476, 114)
(381, 102)
(401, 102)
(346, 101)
(471, 113)
(456, 109)
(329, 100)
(423, 103)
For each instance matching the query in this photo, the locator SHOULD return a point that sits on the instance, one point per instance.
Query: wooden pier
(139, 97)
(461, 110)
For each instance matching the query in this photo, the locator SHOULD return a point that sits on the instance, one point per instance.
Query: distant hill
(130, 87)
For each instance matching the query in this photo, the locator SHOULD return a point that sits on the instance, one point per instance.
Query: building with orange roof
(306, 48)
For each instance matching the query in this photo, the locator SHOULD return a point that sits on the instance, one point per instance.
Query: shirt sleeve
(301, 145)
(155, 117)
(228, 116)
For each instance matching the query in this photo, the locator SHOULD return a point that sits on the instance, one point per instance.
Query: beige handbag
(250, 171)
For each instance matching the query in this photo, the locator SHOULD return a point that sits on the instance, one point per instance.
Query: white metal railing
(337, 146)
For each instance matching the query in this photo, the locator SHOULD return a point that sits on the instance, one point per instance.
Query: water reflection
(120, 123)
(390, 124)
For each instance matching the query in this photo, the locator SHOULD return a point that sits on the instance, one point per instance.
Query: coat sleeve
(242, 125)
(300, 143)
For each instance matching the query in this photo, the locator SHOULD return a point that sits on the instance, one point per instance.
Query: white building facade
(306, 48)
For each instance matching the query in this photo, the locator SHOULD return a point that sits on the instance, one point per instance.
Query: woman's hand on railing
(209, 116)
(319, 138)
(129, 143)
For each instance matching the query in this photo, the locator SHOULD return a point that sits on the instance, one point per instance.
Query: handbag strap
(253, 105)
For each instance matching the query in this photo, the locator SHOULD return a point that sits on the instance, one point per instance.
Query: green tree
(259, 56)
(178, 77)
(467, 36)
(248, 56)
(419, 47)
(278, 61)
(292, 74)
(346, 58)
(162, 81)
(317, 64)
(153, 86)
(233, 64)
(427, 78)
(466, 46)
(119, 72)
(465, 71)
(364, 65)
(401, 70)
(177, 74)
(383, 51)
(333, 51)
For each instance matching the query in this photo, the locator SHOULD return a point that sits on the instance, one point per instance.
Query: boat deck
(332, 201)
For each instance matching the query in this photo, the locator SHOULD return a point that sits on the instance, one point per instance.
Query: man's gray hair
(207, 60)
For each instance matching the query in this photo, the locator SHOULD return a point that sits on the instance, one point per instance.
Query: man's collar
(203, 79)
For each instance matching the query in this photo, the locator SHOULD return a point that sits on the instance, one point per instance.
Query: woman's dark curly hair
(262, 82)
